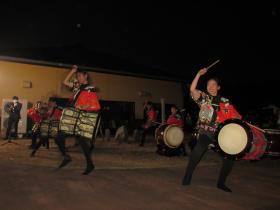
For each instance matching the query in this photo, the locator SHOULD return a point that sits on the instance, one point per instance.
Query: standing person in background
(149, 126)
(14, 117)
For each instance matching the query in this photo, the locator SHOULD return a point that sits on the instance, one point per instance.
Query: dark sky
(169, 39)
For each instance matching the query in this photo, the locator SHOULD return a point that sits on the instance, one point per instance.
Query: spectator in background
(14, 117)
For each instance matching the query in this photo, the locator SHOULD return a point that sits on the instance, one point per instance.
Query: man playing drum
(175, 118)
(214, 109)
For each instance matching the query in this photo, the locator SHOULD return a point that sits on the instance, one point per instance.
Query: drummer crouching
(175, 118)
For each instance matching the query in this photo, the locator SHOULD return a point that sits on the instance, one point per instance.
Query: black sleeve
(200, 100)
(18, 108)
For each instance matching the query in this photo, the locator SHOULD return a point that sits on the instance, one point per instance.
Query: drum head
(232, 139)
(173, 136)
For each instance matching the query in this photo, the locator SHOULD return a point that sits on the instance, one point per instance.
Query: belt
(208, 128)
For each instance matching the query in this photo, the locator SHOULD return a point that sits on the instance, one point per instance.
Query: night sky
(171, 39)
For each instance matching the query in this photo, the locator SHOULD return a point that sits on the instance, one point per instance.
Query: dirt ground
(129, 177)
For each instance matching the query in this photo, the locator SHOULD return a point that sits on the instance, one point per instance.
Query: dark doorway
(121, 112)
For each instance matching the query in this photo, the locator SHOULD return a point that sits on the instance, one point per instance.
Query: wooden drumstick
(213, 64)
(256, 127)
(156, 122)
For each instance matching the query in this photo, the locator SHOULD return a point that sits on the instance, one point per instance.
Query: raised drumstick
(213, 64)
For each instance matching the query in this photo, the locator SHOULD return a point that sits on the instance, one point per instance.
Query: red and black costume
(84, 99)
(149, 126)
(36, 117)
(52, 114)
(213, 111)
(176, 119)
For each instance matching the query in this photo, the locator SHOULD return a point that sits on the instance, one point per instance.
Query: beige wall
(47, 82)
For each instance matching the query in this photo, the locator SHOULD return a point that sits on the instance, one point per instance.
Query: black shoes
(223, 187)
(187, 180)
(67, 159)
(33, 153)
(90, 168)
(31, 147)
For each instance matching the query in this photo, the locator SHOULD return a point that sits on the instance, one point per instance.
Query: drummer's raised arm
(66, 81)
(195, 93)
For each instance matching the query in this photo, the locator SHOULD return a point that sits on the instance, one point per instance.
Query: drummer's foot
(89, 169)
(33, 153)
(67, 159)
(223, 187)
(91, 147)
(186, 180)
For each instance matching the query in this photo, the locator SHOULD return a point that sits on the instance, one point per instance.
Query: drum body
(170, 136)
(237, 139)
(273, 147)
(76, 122)
(49, 128)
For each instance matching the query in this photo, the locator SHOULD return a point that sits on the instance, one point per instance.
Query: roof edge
(87, 68)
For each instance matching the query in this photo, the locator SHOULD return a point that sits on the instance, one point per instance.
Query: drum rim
(249, 135)
(156, 132)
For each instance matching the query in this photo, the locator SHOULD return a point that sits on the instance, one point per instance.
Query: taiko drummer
(84, 98)
(214, 109)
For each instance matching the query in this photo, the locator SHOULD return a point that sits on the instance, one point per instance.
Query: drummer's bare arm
(195, 93)
(67, 82)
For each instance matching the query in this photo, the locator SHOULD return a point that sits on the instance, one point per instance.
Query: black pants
(12, 121)
(42, 140)
(34, 137)
(164, 150)
(60, 141)
(145, 131)
(198, 151)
